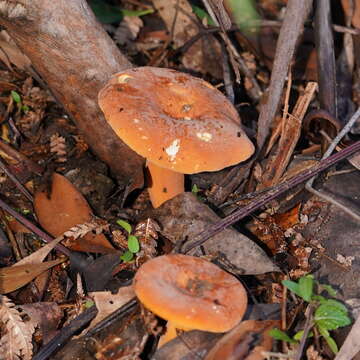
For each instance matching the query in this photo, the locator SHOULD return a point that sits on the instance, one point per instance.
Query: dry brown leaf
(16, 342)
(246, 341)
(107, 303)
(15, 277)
(64, 209)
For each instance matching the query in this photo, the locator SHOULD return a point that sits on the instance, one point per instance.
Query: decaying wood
(73, 54)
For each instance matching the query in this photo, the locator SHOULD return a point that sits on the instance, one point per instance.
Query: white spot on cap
(124, 78)
(173, 149)
(144, 137)
(136, 121)
(205, 136)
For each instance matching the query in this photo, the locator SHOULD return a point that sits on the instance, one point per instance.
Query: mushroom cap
(191, 292)
(175, 120)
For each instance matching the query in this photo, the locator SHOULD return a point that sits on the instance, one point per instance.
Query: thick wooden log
(70, 50)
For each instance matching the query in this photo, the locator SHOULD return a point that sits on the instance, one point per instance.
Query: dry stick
(296, 14)
(307, 327)
(325, 57)
(272, 194)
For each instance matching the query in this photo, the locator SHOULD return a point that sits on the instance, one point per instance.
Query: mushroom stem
(170, 334)
(164, 184)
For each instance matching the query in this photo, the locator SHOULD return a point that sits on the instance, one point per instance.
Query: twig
(325, 57)
(28, 224)
(308, 325)
(66, 333)
(331, 148)
(292, 27)
(272, 194)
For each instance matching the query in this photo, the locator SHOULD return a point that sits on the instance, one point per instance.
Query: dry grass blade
(17, 339)
(15, 277)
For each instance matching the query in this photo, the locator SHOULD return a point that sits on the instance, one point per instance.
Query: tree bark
(70, 50)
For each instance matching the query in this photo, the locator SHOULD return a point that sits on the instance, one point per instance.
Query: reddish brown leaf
(65, 208)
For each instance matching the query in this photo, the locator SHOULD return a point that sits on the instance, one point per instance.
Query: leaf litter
(294, 235)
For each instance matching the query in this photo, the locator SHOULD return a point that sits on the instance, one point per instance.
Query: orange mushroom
(190, 293)
(179, 123)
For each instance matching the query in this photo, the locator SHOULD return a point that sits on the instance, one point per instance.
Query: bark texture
(73, 54)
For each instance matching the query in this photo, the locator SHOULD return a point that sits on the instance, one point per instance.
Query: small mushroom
(190, 293)
(179, 123)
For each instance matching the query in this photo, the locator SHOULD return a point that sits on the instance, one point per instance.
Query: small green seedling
(329, 314)
(132, 242)
(17, 99)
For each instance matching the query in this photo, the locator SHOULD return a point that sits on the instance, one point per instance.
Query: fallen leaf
(184, 217)
(246, 341)
(107, 303)
(15, 277)
(16, 335)
(65, 208)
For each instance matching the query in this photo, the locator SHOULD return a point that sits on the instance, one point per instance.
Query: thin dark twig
(307, 327)
(271, 195)
(28, 224)
(14, 179)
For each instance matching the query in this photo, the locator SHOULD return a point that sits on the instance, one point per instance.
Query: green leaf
(127, 256)
(133, 244)
(25, 108)
(319, 298)
(244, 14)
(331, 316)
(125, 225)
(16, 97)
(201, 14)
(136, 12)
(195, 189)
(306, 286)
(300, 333)
(89, 304)
(331, 342)
(277, 334)
(329, 289)
(292, 286)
